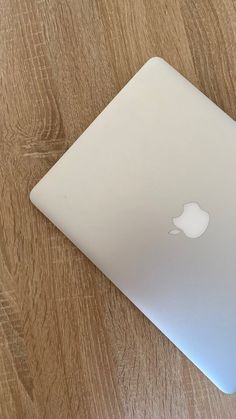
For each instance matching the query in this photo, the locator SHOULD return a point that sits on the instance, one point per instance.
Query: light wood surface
(71, 345)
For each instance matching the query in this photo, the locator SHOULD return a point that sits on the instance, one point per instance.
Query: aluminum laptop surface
(127, 193)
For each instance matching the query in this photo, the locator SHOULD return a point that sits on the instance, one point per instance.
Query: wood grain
(71, 346)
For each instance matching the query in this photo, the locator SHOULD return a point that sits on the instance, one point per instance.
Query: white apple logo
(193, 221)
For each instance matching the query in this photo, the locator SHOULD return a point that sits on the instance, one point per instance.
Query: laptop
(148, 193)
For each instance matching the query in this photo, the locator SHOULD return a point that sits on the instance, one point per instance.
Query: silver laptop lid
(148, 194)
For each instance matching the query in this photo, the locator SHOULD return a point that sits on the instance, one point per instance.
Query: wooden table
(71, 345)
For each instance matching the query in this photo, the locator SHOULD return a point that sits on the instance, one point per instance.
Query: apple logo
(193, 221)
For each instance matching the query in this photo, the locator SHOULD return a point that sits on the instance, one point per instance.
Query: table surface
(71, 345)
